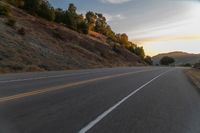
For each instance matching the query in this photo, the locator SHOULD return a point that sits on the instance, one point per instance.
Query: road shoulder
(194, 76)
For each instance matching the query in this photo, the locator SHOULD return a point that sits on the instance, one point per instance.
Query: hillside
(35, 44)
(180, 57)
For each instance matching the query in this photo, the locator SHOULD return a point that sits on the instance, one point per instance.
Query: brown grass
(36, 45)
(194, 75)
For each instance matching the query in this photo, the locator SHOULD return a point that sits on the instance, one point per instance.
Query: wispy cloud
(110, 17)
(169, 38)
(114, 1)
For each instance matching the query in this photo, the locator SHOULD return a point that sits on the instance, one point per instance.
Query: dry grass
(37, 45)
(194, 75)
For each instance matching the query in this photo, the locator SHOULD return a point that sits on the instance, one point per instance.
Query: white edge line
(104, 114)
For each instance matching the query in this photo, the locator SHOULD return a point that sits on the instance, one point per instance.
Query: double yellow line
(46, 90)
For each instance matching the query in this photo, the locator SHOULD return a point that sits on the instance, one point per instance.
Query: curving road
(110, 100)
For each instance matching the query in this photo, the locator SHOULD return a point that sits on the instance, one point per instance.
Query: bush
(33, 68)
(167, 60)
(197, 65)
(11, 22)
(57, 35)
(4, 10)
(186, 65)
(21, 31)
(148, 60)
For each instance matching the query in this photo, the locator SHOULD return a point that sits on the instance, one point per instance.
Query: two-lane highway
(117, 100)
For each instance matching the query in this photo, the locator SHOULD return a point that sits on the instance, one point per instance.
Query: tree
(72, 8)
(84, 27)
(91, 19)
(46, 11)
(32, 6)
(148, 60)
(73, 20)
(140, 52)
(60, 16)
(167, 60)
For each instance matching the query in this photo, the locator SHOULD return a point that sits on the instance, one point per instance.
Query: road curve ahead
(110, 100)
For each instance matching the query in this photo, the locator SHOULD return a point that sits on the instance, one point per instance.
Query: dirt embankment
(34, 44)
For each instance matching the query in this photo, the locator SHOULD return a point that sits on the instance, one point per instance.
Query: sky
(159, 26)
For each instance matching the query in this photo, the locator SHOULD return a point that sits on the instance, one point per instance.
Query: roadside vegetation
(166, 60)
(4, 10)
(194, 74)
(32, 43)
(90, 22)
(197, 65)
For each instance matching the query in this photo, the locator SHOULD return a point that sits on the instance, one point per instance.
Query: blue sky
(158, 25)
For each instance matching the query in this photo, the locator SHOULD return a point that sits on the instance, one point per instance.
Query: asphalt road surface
(111, 100)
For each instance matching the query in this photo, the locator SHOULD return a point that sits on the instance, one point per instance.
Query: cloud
(169, 38)
(110, 17)
(114, 1)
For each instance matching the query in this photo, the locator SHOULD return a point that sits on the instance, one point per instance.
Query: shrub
(197, 65)
(11, 22)
(148, 60)
(167, 60)
(4, 10)
(21, 31)
(57, 35)
(33, 68)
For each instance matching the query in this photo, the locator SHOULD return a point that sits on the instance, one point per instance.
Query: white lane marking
(104, 114)
(32, 93)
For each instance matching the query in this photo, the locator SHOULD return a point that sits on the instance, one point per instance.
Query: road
(110, 100)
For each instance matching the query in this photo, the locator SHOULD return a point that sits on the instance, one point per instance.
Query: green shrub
(4, 10)
(11, 22)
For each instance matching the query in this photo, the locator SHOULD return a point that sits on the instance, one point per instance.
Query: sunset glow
(157, 25)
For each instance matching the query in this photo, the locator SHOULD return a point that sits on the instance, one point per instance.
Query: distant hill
(180, 57)
(35, 44)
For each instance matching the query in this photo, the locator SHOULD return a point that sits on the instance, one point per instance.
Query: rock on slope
(50, 46)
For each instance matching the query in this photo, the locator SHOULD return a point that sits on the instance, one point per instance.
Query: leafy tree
(72, 8)
(124, 39)
(60, 16)
(140, 52)
(73, 20)
(91, 19)
(100, 24)
(46, 11)
(32, 6)
(83, 27)
(148, 60)
(167, 60)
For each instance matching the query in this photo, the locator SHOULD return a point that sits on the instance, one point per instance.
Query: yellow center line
(50, 89)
